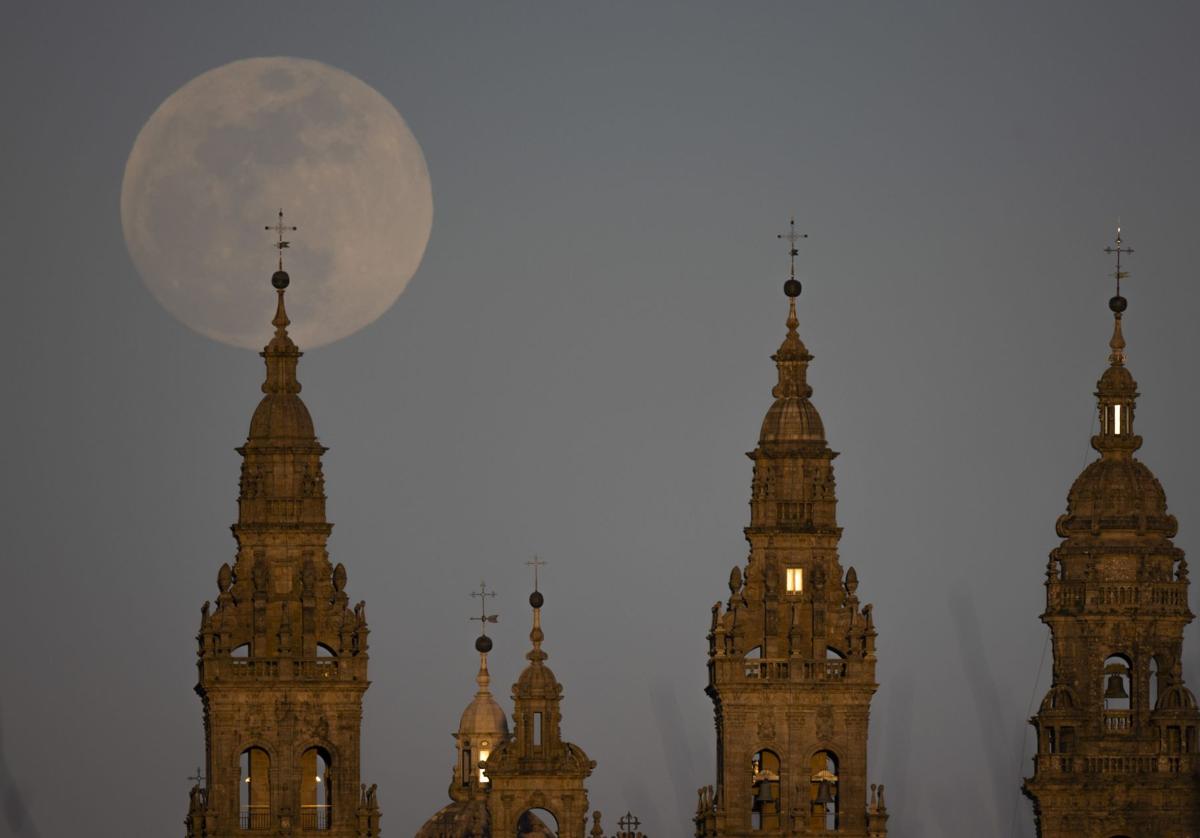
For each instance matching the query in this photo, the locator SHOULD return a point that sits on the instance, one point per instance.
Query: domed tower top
(281, 417)
(792, 418)
(1116, 493)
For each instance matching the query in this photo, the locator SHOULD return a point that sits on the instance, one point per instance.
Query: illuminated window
(795, 580)
(483, 755)
(1116, 419)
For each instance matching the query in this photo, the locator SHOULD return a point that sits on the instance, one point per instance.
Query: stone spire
(792, 418)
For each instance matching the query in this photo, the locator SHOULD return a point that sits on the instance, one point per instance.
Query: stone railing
(759, 669)
(225, 668)
(1076, 764)
(1118, 721)
(1079, 596)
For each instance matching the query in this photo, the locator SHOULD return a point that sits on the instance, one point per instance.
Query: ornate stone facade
(1116, 733)
(791, 660)
(511, 777)
(282, 656)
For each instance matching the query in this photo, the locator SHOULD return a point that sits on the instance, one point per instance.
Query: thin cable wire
(1033, 693)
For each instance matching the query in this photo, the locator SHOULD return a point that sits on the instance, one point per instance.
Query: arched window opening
(764, 785)
(537, 823)
(464, 770)
(485, 751)
(242, 651)
(1153, 682)
(823, 794)
(833, 654)
(1116, 420)
(754, 654)
(255, 789)
(324, 651)
(1116, 686)
(316, 792)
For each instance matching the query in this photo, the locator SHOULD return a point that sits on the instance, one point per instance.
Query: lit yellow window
(795, 580)
(483, 758)
(1116, 419)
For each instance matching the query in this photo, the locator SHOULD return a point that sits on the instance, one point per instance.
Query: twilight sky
(581, 361)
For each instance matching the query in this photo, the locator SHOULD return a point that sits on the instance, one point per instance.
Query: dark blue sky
(582, 359)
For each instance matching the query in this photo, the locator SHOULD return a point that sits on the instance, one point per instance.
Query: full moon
(223, 154)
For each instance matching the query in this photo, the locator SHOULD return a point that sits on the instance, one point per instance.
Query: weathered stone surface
(1116, 732)
(792, 652)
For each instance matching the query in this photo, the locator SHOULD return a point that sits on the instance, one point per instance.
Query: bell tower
(536, 769)
(1116, 733)
(791, 660)
(282, 656)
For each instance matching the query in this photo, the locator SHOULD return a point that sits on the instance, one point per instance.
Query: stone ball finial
(483, 644)
(280, 280)
(792, 288)
(536, 599)
(1118, 304)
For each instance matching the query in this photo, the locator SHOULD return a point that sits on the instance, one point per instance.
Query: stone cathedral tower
(1116, 733)
(791, 666)
(282, 658)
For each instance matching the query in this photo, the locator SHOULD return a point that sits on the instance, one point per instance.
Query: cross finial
(535, 563)
(628, 823)
(199, 777)
(1118, 250)
(280, 228)
(791, 237)
(484, 617)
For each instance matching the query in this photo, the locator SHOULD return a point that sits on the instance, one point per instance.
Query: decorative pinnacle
(629, 824)
(791, 237)
(280, 228)
(536, 636)
(535, 563)
(1118, 250)
(484, 617)
(1118, 303)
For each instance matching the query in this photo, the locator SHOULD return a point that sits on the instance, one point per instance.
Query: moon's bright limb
(220, 157)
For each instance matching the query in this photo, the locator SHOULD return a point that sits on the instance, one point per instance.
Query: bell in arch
(765, 794)
(1116, 687)
(824, 793)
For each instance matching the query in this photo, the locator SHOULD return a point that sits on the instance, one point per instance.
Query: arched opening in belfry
(482, 752)
(1153, 685)
(823, 792)
(764, 788)
(316, 789)
(324, 651)
(537, 823)
(754, 654)
(832, 654)
(242, 651)
(1116, 686)
(255, 789)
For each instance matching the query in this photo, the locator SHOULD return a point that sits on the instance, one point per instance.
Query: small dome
(792, 419)
(537, 681)
(1116, 493)
(1176, 697)
(1117, 381)
(483, 717)
(282, 416)
(1059, 698)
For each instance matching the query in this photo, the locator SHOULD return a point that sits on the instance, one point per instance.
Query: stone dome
(1116, 492)
(282, 416)
(792, 419)
(1176, 697)
(537, 681)
(1117, 380)
(483, 717)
